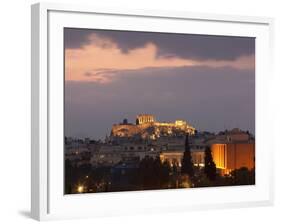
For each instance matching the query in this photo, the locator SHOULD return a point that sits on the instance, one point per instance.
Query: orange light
(80, 189)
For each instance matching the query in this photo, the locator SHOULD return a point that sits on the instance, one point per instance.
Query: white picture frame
(47, 199)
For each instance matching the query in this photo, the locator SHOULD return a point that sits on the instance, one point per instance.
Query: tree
(156, 171)
(210, 166)
(187, 164)
(243, 176)
(152, 173)
(165, 173)
(68, 184)
(147, 173)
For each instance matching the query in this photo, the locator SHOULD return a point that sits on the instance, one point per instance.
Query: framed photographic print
(169, 109)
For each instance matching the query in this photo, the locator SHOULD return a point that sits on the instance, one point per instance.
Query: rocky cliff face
(152, 130)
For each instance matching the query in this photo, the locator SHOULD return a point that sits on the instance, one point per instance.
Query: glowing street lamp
(80, 189)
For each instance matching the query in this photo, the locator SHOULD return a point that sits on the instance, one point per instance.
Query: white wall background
(15, 110)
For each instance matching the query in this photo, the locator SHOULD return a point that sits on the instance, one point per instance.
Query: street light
(80, 189)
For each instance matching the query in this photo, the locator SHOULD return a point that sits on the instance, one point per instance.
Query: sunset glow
(102, 61)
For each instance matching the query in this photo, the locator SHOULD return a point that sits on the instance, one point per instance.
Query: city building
(130, 143)
(232, 150)
(109, 155)
(172, 157)
(78, 155)
(175, 157)
(231, 156)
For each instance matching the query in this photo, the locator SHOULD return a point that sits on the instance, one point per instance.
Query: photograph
(157, 110)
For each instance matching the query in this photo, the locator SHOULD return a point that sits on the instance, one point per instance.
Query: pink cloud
(101, 60)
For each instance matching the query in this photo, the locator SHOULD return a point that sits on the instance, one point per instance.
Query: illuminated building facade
(148, 128)
(175, 157)
(144, 118)
(231, 156)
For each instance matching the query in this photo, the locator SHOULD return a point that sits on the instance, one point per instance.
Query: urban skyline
(148, 111)
(151, 154)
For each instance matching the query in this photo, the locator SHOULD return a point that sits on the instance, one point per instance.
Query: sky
(209, 81)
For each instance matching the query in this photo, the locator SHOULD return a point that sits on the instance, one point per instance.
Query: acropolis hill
(147, 127)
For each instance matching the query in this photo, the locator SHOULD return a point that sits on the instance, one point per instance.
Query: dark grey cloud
(211, 99)
(181, 45)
